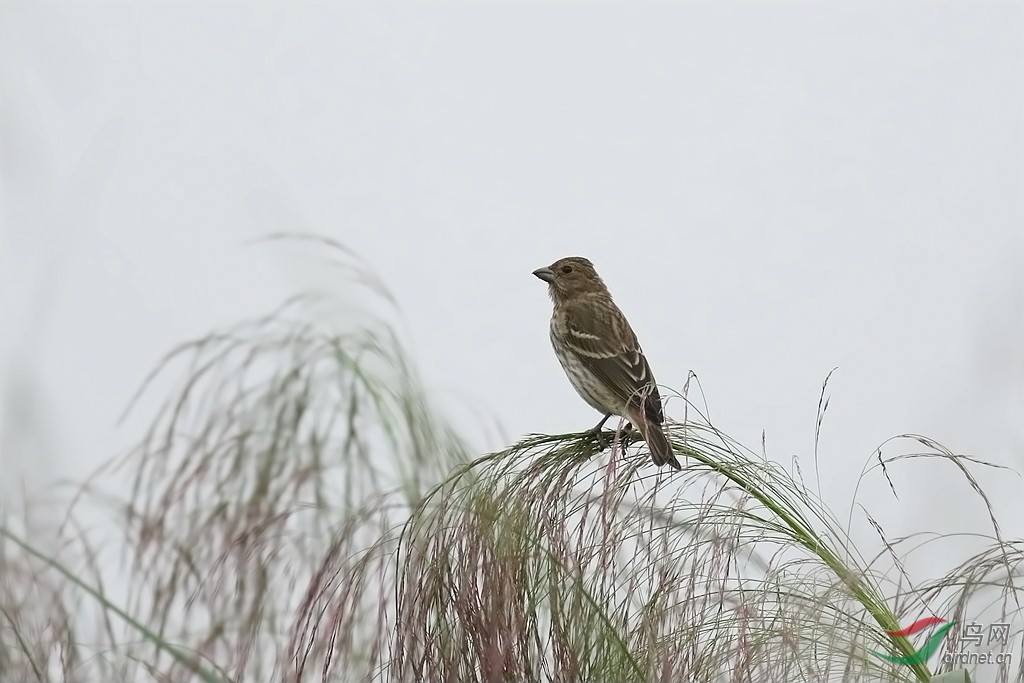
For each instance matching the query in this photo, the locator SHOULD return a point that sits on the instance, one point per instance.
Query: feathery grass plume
(36, 624)
(543, 563)
(287, 436)
(299, 512)
(282, 437)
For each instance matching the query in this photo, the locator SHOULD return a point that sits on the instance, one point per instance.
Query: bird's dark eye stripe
(566, 269)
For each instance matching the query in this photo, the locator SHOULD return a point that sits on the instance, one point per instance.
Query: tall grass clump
(299, 511)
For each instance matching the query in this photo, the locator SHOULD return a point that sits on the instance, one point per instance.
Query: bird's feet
(603, 439)
(599, 437)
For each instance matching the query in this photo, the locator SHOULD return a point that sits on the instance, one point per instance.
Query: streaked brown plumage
(600, 353)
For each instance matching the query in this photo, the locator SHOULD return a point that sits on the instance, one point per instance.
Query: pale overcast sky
(770, 190)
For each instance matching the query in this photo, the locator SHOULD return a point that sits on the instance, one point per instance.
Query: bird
(600, 354)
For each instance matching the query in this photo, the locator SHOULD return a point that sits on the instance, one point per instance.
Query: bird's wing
(600, 336)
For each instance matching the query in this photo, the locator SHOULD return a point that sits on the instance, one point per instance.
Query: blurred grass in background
(298, 511)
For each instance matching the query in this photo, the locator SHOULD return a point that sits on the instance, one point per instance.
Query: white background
(769, 191)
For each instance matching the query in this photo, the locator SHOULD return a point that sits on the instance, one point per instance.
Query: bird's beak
(544, 274)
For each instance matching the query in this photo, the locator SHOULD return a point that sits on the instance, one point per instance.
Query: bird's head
(570, 277)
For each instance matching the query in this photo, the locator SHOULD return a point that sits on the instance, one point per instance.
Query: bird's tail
(661, 449)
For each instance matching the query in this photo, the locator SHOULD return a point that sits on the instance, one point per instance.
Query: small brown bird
(600, 353)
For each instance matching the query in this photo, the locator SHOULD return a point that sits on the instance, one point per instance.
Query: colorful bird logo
(926, 650)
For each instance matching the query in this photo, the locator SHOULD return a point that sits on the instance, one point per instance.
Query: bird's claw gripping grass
(606, 437)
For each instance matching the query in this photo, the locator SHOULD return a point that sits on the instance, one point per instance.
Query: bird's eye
(566, 269)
